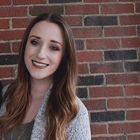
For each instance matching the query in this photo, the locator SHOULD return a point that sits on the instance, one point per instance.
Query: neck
(39, 87)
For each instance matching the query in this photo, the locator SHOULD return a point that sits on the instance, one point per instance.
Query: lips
(38, 64)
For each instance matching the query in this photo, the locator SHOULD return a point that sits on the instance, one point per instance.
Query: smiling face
(44, 50)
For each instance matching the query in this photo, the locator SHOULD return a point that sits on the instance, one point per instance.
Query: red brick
(130, 20)
(106, 68)
(132, 90)
(110, 138)
(117, 8)
(134, 137)
(95, 104)
(13, 11)
(5, 2)
(98, 129)
(106, 91)
(4, 23)
(124, 128)
(6, 72)
(20, 23)
(125, 0)
(99, 1)
(122, 79)
(124, 103)
(82, 9)
(74, 20)
(130, 42)
(5, 48)
(15, 47)
(11, 35)
(138, 7)
(83, 69)
(102, 43)
(133, 115)
(89, 56)
(119, 31)
(87, 32)
(22, 2)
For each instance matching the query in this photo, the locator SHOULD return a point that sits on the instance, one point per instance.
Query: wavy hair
(61, 106)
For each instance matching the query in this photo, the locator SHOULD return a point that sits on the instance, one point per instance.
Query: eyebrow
(53, 41)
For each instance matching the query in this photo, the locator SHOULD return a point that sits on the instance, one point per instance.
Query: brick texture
(107, 42)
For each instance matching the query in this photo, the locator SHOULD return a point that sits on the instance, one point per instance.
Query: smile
(39, 64)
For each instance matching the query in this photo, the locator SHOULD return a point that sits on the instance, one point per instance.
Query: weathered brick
(106, 91)
(120, 31)
(8, 59)
(108, 116)
(130, 42)
(15, 47)
(5, 2)
(74, 20)
(91, 80)
(122, 79)
(87, 32)
(4, 23)
(138, 31)
(132, 66)
(117, 8)
(5, 48)
(137, 7)
(6, 72)
(100, 20)
(11, 35)
(91, 105)
(124, 103)
(79, 44)
(120, 55)
(23, 2)
(123, 137)
(83, 69)
(133, 115)
(36, 10)
(98, 129)
(133, 127)
(99, 1)
(85, 56)
(130, 20)
(82, 92)
(20, 23)
(134, 137)
(132, 90)
(106, 68)
(82, 9)
(64, 1)
(13, 11)
(102, 43)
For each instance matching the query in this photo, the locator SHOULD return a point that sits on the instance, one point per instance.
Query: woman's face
(44, 50)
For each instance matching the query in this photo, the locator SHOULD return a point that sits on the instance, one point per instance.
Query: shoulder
(79, 127)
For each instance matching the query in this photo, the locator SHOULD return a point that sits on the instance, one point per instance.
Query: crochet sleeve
(79, 127)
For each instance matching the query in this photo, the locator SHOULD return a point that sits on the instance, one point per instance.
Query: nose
(41, 53)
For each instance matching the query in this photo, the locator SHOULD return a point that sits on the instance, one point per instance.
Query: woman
(41, 103)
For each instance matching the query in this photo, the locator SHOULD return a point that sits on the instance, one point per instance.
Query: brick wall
(107, 34)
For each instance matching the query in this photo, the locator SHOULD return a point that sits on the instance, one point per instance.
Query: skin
(43, 55)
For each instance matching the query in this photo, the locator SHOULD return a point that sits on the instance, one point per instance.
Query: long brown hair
(61, 106)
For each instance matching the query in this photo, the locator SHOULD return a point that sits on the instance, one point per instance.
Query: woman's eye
(55, 48)
(34, 42)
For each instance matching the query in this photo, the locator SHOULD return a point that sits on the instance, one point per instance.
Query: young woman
(41, 103)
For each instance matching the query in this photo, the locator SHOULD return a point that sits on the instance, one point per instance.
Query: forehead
(48, 30)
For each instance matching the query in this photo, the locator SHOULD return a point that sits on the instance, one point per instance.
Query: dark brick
(100, 20)
(132, 66)
(120, 55)
(36, 10)
(64, 1)
(107, 116)
(79, 44)
(82, 92)
(91, 80)
(8, 59)
(138, 31)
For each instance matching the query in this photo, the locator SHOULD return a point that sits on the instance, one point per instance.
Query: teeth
(39, 64)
